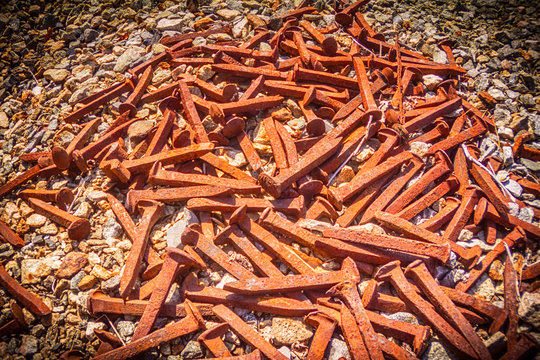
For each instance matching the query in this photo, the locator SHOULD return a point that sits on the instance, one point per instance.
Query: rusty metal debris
(298, 199)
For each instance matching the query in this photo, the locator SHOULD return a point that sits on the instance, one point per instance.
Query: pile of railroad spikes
(242, 207)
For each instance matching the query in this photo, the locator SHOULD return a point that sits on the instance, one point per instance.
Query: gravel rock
(529, 309)
(431, 81)
(228, 14)
(91, 326)
(29, 345)
(71, 264)
(125, 328)
(111, 284)
(287, 331)
(337, 349)
(36, 220)
(56, 75)
(138, 130)
(112, 229)
(192, 350)
(4, 120)
(87, 282)
(32, 270)
(484, 288)
(175, 232)
(125, 60)
(436, 350)
(169, 24)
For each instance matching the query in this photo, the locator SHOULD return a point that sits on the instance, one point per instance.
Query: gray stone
(496, 94)
(174, 233)
(531, 165)
(502, 117)
(199, 41)
(505, 133)
(529, 309)
(111, 284)
(440, 57)
(287, 331)
(431, 81)
(228, 14)
(95, 196)
(91, 326)
(526, 214)
(481, 82)
(74, 282)
(32, 270)
(484, 288)
(169, 24)
(337, 349)
(139, 129)
(112, 229)
(90, 35)
(128, 57)
(56, 75)
(453, 277)
(36, 220)
(508, 156)
(125, 328)
(514, 188)
(436, 350)
(29, 345)
(192, 350)
(534, 122)
(4, 120)
(403, 316)
(527, 100)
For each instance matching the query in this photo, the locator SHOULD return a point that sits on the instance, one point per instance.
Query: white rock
(505, 133)
(125, 328)
(239, 27)
(496, 94)
(369, 228)
(228, 14)
(484, 288)
(237, 158)
(431, 81)
(337, 349)
(169, 24)
(419, 148)
(440, 57)
(285, 351)
(225, 280)
(32, 270)
(403, 316)
(84, 210)
(56, 75)
(112, 229)
(91, 326)
(36, 220)
(95, 196)
(313, 225)
(175, 232)
(287, 331)
(465, 235)
(526, 214)
(529, 309)
(4, 120)
(514, 188)
(436, 350)
(130, 55)
(139, 129)
(205, 72)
